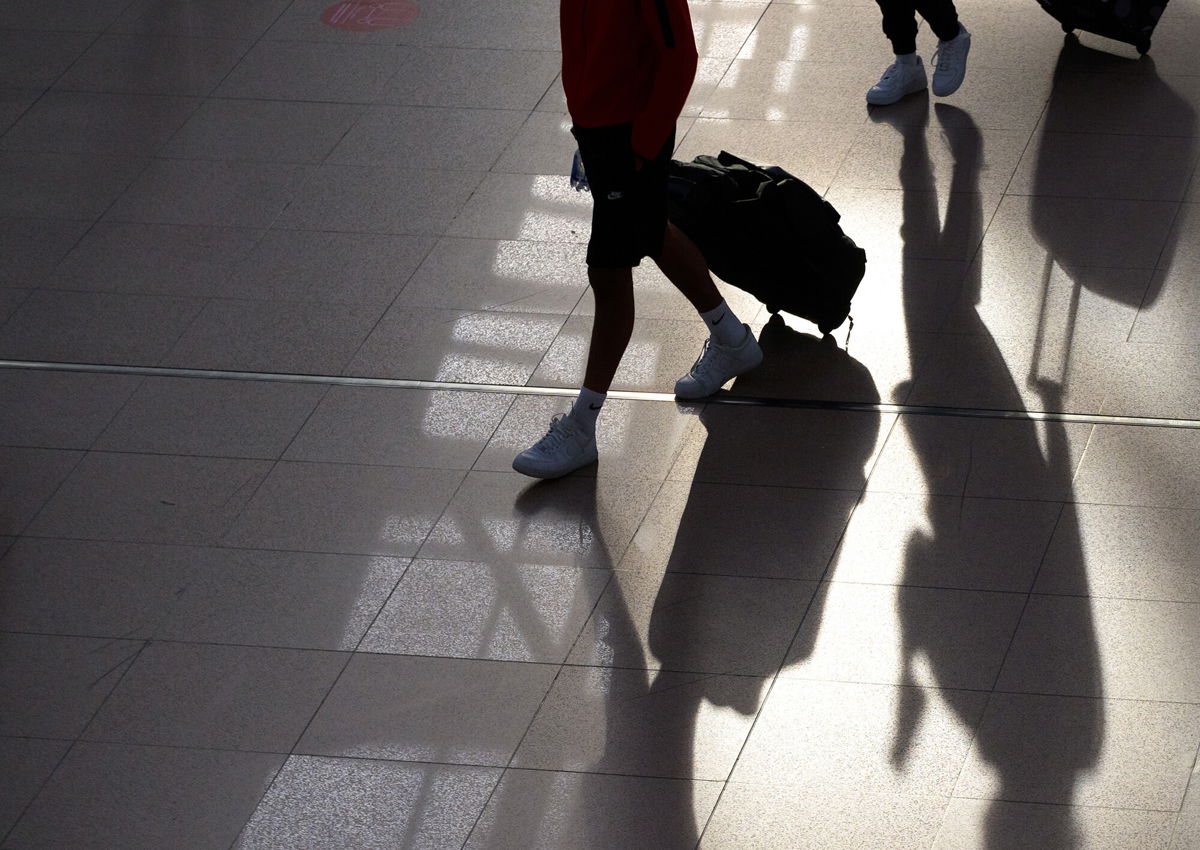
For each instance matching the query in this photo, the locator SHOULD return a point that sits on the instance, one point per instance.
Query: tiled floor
(242, 610)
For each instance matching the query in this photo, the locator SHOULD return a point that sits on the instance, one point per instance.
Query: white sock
(587, 408)
(907, 58)
(724, 326)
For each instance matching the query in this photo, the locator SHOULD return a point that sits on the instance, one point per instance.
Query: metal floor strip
(507, 389)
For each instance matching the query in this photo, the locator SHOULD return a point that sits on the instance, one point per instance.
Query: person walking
(628, 66)
(906, 75)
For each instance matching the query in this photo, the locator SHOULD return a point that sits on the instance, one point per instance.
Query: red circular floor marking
(362, 15)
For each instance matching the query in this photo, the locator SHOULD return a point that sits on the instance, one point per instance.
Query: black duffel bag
(769, 233)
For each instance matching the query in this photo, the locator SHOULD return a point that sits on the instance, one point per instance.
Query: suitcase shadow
(1037, 746)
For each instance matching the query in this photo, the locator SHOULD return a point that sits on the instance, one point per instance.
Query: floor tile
(931, 637)
(494, 275)
(989, 458)
(262, 131)
(106, 795)
(317, 802)
(774, 817)
(943, 151)
(1098, 165)
(331, 73)
(839, 737)
(826, 449)
(53, 685)
(1124, 552)
(96, 123)
(738, 530)
(542, 145)
(302, 21)
(505, 25)
(150, 498)
(34, 60)
(144, 64)
(93, 588)
(1150, 467)
(811, 152)
(457, 346)
(1062, 750)
(61, 410)
(658, 298)
(154, 259)
(344, 198)
(227, 697)
(302, 338)
(1187, 828)
(211, 417)
(388, 427)
(327, 268)
(449, 711)
(539, 208)
(10, 300)
(212, 194)
(547, 810)
(948, 541)
(427, 137)
(783, 90)
(55, 15)
(221, 19)
(96, 327)
(1082, 232)
(340, 508)
(30, 248)
(638, 723)
(502, 612)
(1116, 648)
(479, 79)
(1156, 381)
(64, 186)
(693, 623)
(31, 478)
(972, 824)
(1132, 102)
(13, 104)
(28, 764)
(185, 593)
(507, 517)
(280, 599)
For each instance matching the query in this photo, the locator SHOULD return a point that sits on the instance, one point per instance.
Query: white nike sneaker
(717, 364)
(564, 449)
(898, 80)
(950, 63)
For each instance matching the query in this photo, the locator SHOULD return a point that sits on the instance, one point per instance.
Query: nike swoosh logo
(593, 407)
(718, 321)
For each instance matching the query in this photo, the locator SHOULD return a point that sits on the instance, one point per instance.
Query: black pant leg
(900, 24)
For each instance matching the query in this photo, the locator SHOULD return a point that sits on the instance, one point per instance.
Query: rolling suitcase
(769, 233)
(1130, 21)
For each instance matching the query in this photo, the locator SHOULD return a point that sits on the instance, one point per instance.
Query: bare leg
(684, 265)
(612, 327)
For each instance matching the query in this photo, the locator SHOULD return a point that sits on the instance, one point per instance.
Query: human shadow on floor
(703, 621)
(769, 498)
(1035, 742)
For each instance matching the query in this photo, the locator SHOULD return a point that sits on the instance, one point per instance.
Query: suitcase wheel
(1143, 47)
(773, 309)
(1068, 29)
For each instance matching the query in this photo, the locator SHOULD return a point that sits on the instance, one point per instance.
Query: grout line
(721, 398)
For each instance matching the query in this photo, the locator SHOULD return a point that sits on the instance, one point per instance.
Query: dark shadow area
(1007, 739)
(1110, 97)
(771, 494)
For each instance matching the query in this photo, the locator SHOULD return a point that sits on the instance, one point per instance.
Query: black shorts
(629, 212)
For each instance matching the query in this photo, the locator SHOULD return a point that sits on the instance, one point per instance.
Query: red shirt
(628, 61)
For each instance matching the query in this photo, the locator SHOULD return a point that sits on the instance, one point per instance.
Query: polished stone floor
(280, 299)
